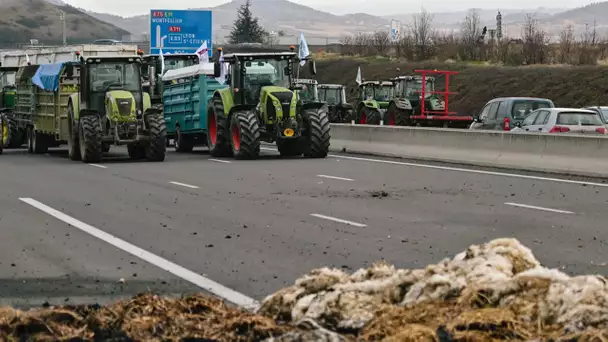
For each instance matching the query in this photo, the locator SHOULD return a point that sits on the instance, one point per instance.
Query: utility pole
(62, 17)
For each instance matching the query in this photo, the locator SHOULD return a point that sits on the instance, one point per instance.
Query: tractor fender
(314, 105)
(147, 102)
(371, 104)
(75, 101)
(239, 108)
(227, 100)
(404, 104)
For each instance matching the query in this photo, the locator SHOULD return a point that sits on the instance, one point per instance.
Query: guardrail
(552, 153)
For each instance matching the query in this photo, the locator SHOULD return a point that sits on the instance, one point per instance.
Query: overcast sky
(376, 7)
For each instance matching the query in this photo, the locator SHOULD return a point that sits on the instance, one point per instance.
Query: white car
(562, 120)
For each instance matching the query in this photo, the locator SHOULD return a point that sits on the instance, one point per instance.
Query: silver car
(563, 120)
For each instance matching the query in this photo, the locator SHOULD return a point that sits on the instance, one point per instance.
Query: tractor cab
(376, 91)
(307, 90)
(335, 97)
(411, 89)
(8, 89)
(374, 98)
(112, 87)
(151, 71)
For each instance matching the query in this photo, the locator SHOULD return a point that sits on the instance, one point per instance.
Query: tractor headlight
(276, 103)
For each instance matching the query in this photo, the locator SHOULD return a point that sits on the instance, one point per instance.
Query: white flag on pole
(359, 80)
(203, 53)
(303, 51)
(222, 78)
(162, 62)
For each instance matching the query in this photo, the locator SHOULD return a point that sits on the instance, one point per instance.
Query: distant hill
(586, 14)
(22, 20)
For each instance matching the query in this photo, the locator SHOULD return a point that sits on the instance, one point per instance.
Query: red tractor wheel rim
(363, 118)
(236, 138)
(212, 129)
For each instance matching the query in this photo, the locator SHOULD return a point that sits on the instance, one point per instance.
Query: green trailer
(186, 94)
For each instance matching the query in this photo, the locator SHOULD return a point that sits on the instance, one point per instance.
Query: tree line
(421, 41)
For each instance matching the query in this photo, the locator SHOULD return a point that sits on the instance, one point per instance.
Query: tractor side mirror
(69, 71)
(217, 69)
(312, 67)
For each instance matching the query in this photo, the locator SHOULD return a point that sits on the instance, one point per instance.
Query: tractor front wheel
(218, 130)
(89, 136)
(11, 135)
(157, 132)
(317, 133)
(245, 131)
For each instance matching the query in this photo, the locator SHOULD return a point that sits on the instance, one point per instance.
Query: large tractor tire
(157, 131)
(73, 142)
(218, 130)
(37, 142)
(12, 136)
(182, 142)
(89, 137)
(369, 116)
(316, 133)
(245, 130)
(396, 116)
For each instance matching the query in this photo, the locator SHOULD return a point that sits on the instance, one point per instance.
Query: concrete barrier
(553, 153)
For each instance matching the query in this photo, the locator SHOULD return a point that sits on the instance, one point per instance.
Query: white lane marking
(186, 185)
(339, 178)
(221, 161)
(335, 219)
(99, 166)
(177, 270)
(538, 208)
(558, 180)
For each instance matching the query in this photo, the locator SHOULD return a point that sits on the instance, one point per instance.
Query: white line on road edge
(221, 161)
(350, 223)
(177, 270)
(539, 208)
(186, 185)
(99, 166)
(339, 178)
(558, 180)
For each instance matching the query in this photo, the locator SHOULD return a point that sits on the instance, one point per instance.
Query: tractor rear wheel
(245, 131)
(157, 132)
(316, 133)
(11, 134)
(218, 130)
(90, 134)
(73, 144)
(369, 116)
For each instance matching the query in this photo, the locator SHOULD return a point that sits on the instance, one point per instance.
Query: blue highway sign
(179, 31)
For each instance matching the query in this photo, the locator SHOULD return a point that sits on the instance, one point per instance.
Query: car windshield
(579, 119)
(115, 75)
(522, 108)
(330, 95)
(266, 72)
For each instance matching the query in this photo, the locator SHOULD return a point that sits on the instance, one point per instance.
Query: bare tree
(535, 41)
(422, 33)
(381, 42)
(588, 45)
(566, 45)
(471, 30)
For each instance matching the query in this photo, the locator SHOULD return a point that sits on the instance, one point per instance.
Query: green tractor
(374, 98)
(151, 70)
(307, 90)
(408, 97)
(261, 104)
(111, 108)
(12, 136)
(334, 95)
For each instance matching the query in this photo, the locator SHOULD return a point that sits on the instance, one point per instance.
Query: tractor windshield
(414, 88)
(330, 95)
(262, 73)
(383, 93)
(308, 93)
(171, 64)
(114, 76)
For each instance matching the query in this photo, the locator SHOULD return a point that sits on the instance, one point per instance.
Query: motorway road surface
(77, 233)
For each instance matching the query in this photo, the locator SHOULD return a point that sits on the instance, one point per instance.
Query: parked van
(504, 113)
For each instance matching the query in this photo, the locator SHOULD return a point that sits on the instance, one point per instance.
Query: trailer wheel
(155, 150)
(182, 143)
(89, 136)
(39, 142)
(316, 133)
(73, 143)
(11, 134)
(218, 130)
(245, 135)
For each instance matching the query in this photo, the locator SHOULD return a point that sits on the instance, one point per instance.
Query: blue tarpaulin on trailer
(47, 76)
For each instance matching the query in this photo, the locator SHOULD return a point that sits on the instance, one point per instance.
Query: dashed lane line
(335, 219)
(185, 185)
(520, 205)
